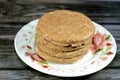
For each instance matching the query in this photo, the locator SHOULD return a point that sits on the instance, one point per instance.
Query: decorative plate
(96, 59)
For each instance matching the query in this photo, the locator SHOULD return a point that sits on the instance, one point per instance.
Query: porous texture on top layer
(66, 26)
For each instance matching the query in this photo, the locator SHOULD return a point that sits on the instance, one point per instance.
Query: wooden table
(16, 13)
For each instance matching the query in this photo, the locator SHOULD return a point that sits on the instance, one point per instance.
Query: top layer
(66, 26)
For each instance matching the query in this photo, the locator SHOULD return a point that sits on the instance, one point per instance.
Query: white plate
(91, 63)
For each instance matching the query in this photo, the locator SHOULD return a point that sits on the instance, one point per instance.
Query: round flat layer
(39, 35)
(49, 45)
(59, 60)
(61, 54)
(66, 26)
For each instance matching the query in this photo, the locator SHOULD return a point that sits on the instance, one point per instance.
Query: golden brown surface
(50, 45)
(63, 36)
(59, 60)
(65, 26)
(61, 54)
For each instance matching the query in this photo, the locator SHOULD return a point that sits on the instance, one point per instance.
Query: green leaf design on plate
(103, 53)
(108, 48)
(31, 38)
(30, 50)
(42, 63)
(107, 37)
(98, 50)
(32, 26)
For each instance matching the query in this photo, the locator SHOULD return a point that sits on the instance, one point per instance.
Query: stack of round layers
(63, 36)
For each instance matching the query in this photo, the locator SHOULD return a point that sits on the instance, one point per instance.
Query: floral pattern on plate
(102, 52)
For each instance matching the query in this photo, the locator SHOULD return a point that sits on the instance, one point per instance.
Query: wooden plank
(101, 20)
(11, 61)
(108, 74)
(9, 29)
(22, 13)
(18, 10)
(8, 56)
(30, 74)
(115, 62)
(108, 20)
(112, 27)
(65, 1)
(10, 26)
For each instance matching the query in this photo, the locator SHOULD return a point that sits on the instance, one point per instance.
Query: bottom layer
(59, 60)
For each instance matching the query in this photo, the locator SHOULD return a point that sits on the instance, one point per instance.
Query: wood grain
(22, 13)
(34, 75)
(25, 75)
(16, 13)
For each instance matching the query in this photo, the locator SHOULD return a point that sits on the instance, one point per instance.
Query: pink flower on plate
(98, 42)
(34, 57)
(104, 58)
